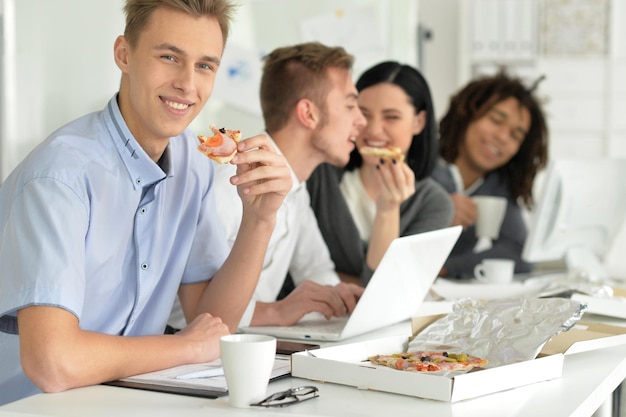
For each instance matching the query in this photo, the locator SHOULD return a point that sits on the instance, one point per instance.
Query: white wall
(585, 96)
(441, 53)
(60, 63)
(255, 29)
(59, 67)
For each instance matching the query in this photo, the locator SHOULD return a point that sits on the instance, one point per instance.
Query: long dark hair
(473, 102)
(422, 154)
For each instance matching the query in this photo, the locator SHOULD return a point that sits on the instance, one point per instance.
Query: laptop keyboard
(334, 325)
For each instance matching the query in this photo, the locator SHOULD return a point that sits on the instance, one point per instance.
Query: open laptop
(395, 292)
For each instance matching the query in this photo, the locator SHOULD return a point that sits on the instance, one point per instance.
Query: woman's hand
(397, 183)
(465, 211)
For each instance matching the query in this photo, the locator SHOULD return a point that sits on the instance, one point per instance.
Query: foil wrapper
(573, 282)
(503, 331)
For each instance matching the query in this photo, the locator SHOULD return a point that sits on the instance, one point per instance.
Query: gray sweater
(513, 232)
(430, 208)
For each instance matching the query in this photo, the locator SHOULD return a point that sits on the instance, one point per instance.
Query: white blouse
(362, 208)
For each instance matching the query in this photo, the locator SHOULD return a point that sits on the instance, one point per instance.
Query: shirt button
(138, 181)
(143, 210)
(144, 266)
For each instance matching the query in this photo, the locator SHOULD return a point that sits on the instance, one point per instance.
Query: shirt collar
(142, 170)
(458, 181)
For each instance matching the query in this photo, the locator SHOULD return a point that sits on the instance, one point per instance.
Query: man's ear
(307, 113)
(120, 53)
(419, 122)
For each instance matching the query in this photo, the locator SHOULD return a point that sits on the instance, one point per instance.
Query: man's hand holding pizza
(263, 178)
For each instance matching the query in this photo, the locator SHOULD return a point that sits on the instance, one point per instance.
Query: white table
(588, 380)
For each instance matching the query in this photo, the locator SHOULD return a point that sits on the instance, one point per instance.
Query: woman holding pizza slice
(385, 191)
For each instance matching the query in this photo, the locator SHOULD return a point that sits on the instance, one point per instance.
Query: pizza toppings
(385, 152)
(222, 146)
(428, 361)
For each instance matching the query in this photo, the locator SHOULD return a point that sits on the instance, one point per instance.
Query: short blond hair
(138, 14)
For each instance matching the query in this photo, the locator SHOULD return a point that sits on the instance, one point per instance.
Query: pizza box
(585, 336)
(612, 307)
(347, 365)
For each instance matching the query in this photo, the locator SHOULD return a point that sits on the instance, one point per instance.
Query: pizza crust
(386, 152)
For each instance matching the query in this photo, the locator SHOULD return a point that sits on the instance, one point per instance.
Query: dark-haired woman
(493, 142)
(363, 207)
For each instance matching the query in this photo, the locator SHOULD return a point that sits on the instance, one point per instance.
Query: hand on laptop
(308, 297)
(350, 294)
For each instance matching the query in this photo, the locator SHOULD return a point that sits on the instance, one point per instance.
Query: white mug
(248, 360)
(491, 211)
(495, 271)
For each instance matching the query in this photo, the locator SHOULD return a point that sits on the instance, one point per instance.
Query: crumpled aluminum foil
(574, 282)
(503, 331)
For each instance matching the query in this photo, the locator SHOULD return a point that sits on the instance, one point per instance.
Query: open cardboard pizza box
(610, 307)
(347, 364)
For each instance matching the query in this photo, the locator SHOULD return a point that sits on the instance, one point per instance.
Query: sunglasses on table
(288, 397)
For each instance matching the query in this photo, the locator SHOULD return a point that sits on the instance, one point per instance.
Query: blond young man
(114, 214)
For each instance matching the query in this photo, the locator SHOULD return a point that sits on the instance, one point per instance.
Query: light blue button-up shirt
(89, 223)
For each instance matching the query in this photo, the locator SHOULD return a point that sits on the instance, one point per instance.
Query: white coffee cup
(491, 211)
(495, 271)
(248, 360)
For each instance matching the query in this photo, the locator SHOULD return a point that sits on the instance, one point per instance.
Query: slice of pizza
(424, 361)
(455, 361)
(404, 362)
(222, 146)
(385, 152)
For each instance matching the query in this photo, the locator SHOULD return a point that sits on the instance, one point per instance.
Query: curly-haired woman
(493, 141)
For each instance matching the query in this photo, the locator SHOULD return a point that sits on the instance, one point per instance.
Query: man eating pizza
(115, 213)
(310, 110)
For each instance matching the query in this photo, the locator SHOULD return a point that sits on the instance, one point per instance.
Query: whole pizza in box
(429, 361)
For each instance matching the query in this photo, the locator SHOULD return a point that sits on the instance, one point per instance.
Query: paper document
(209, 376)
(209, 372)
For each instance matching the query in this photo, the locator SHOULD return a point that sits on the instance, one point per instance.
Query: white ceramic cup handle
(479, 272)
